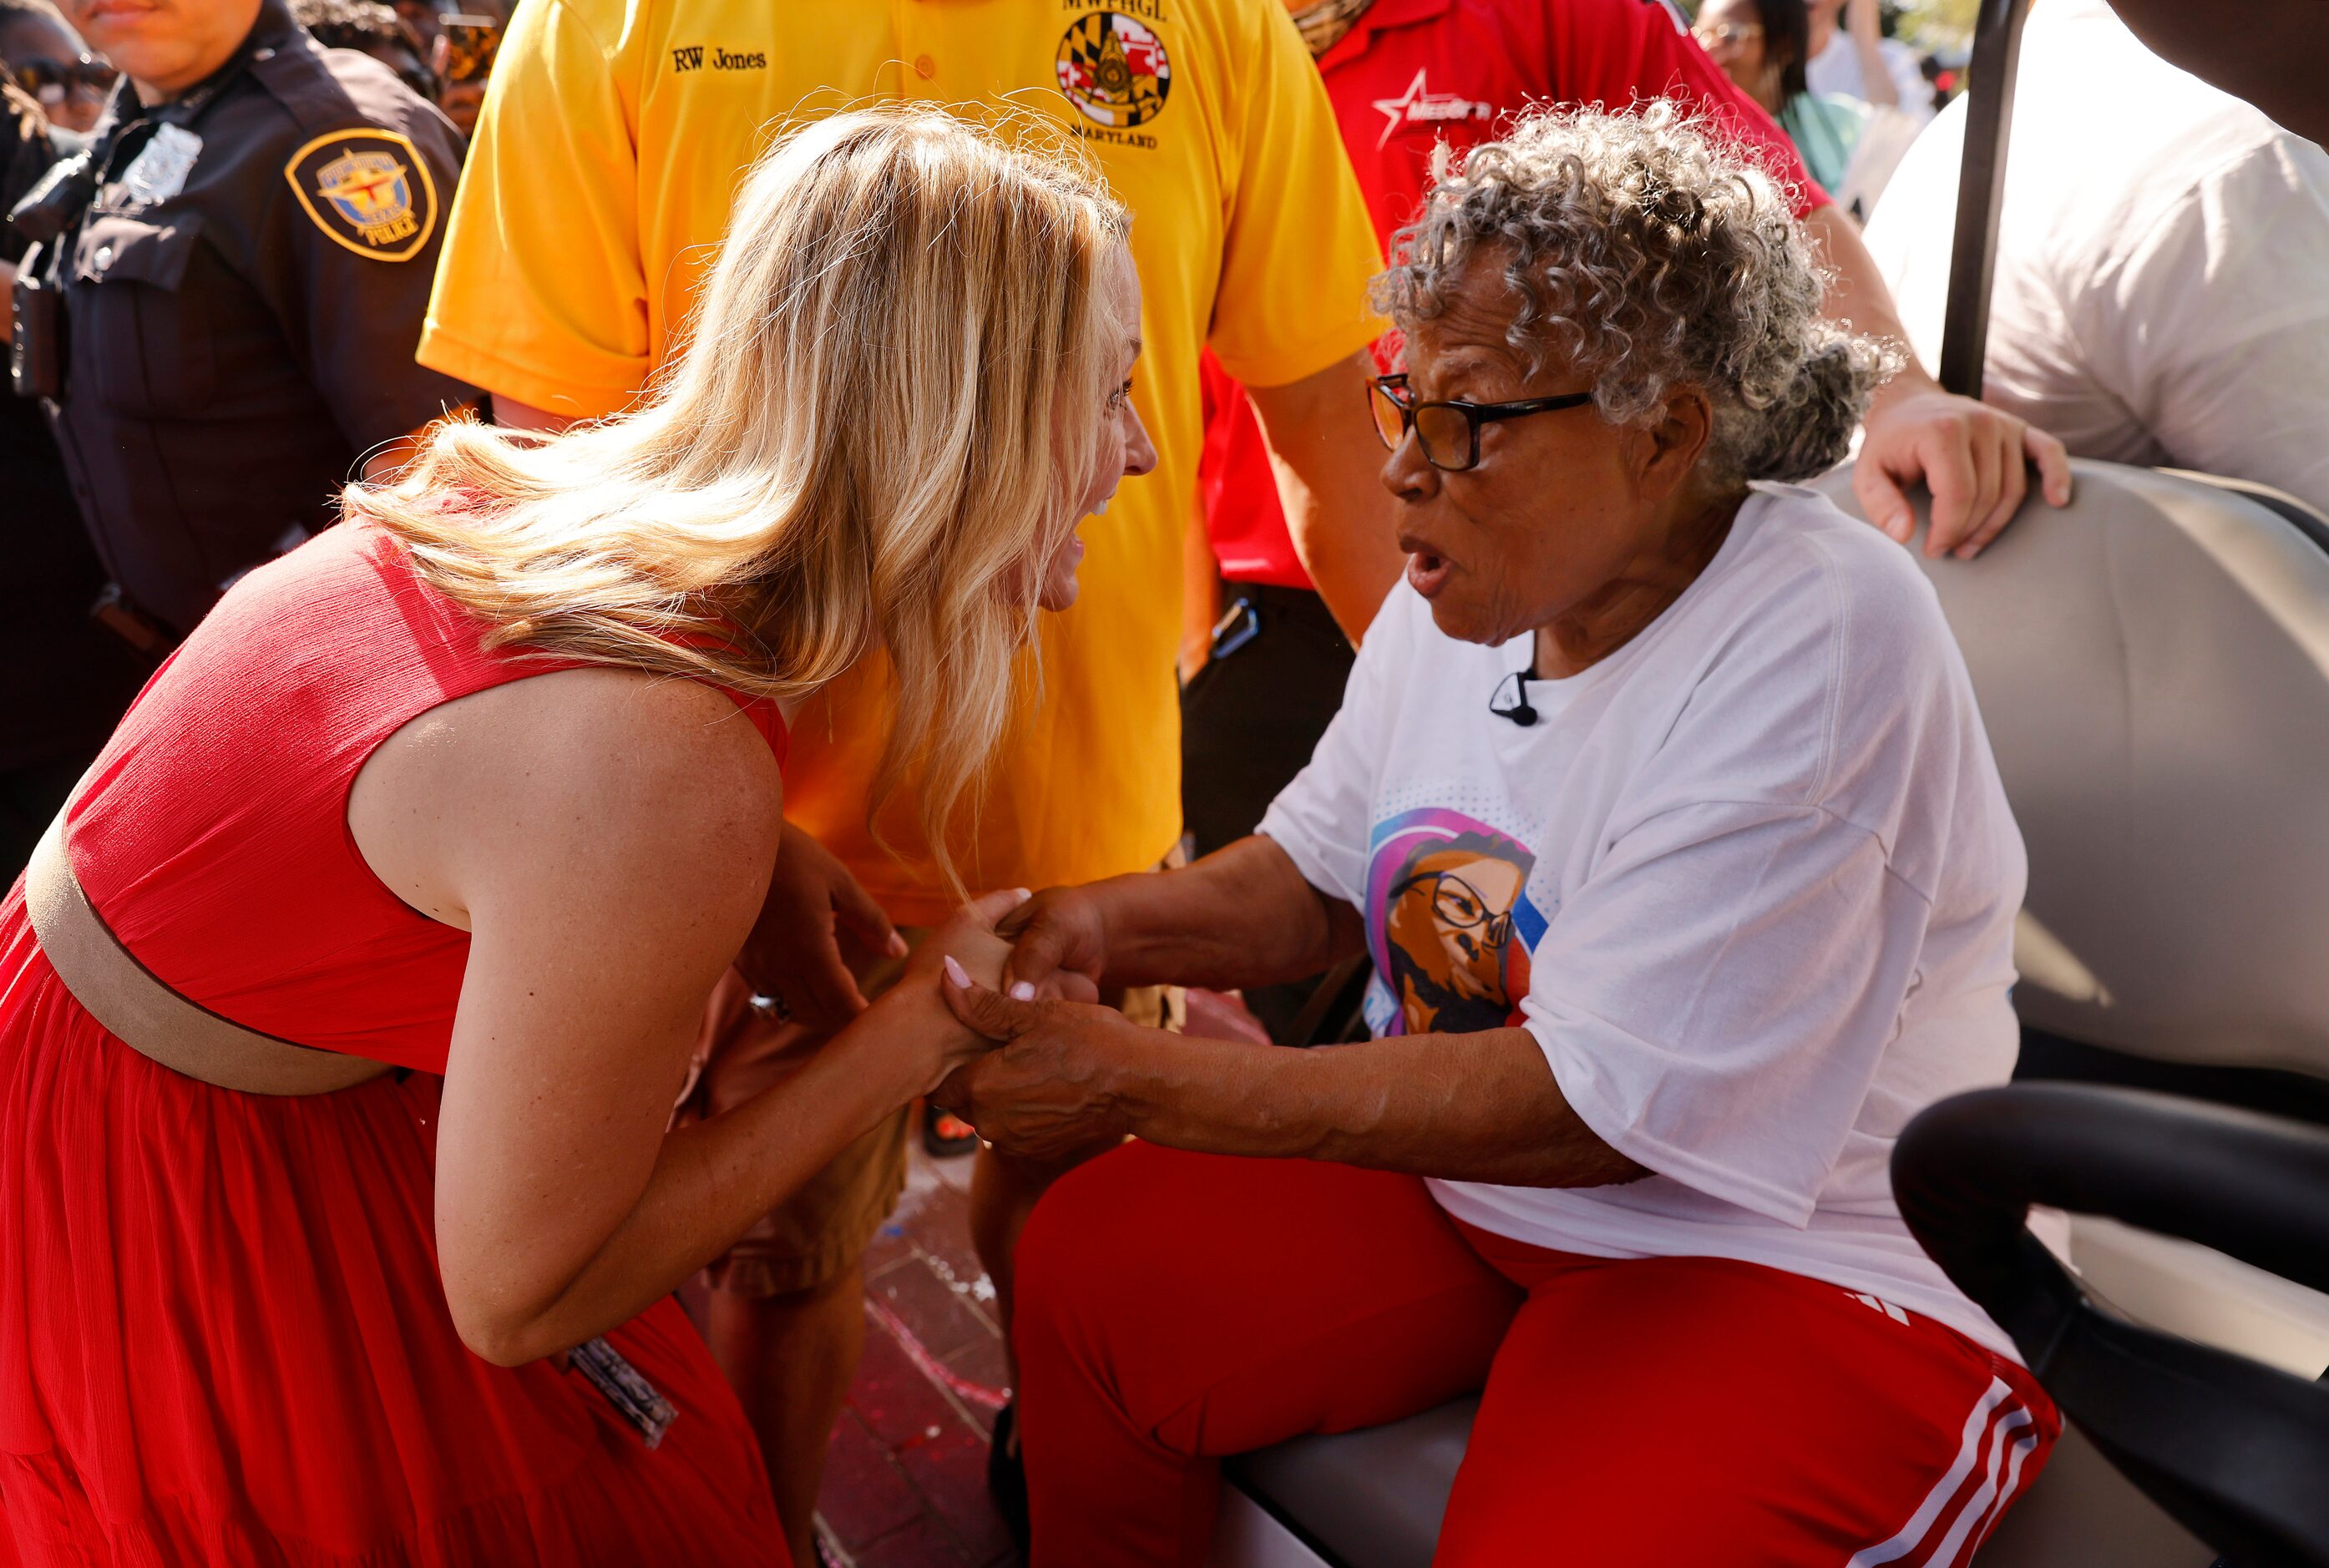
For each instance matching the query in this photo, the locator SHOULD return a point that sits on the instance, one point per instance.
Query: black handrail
(2237, 1452)
(1981, 191)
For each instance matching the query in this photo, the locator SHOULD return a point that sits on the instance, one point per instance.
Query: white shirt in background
(1836, 69)
(2161, 291)
(1751, 882)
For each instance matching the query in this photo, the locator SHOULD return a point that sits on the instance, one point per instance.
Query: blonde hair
(875, 434)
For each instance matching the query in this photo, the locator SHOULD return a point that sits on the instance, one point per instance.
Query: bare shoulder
(603, 728)
(581, 774)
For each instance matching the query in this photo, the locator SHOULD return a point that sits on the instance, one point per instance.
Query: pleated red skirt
(222, 1335)
(223, 1340)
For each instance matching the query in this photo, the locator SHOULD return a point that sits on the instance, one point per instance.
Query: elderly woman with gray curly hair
(1659, 799)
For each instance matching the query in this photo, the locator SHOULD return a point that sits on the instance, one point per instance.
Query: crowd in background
(2175, 345)
(1826, 70)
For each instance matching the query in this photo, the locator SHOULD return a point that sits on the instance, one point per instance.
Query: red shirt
(1411, 73)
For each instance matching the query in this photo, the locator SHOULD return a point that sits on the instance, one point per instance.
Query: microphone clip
(1519, 711)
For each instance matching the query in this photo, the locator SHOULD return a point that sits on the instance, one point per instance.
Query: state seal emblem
(1114, 70)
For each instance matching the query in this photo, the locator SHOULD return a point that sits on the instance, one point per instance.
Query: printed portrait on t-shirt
(1442, 890)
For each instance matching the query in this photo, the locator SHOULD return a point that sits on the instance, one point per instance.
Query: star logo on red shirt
(1419, 106)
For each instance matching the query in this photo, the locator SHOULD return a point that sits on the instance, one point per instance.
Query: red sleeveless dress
(222, 1337)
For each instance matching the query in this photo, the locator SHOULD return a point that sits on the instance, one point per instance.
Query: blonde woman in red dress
(417, 864)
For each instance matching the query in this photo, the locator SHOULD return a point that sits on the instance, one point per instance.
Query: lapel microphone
(1519, 711)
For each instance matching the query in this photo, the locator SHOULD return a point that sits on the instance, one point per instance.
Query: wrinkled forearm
(1242, 916)
(1474, 1107)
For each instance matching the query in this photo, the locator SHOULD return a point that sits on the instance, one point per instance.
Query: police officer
(225, 293)
(64, 679)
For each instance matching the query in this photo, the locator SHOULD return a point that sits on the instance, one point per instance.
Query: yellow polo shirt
(613, 139)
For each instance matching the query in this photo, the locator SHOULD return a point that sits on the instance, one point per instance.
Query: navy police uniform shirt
(67, 678)
(242, 304)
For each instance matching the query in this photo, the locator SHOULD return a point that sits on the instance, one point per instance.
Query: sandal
(947, 1136)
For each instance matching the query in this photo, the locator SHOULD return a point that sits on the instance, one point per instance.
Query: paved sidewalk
(905, 1486)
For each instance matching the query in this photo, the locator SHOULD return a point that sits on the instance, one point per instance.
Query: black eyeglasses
(50, 81)
(1449, 431)
(1458, 905)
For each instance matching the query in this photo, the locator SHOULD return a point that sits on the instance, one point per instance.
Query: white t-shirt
(1751, 882)
(2161, 291)
(1836, 69)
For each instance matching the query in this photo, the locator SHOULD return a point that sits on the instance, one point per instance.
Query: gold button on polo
(924, 66)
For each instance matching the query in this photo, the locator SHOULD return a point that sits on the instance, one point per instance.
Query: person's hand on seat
(1974, 458)
(794, 951)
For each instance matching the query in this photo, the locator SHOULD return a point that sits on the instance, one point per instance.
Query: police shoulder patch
(368, 189)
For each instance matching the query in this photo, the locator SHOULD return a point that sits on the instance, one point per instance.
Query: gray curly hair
(1653, 251)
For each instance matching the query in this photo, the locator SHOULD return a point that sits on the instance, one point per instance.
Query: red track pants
(1172, 1307)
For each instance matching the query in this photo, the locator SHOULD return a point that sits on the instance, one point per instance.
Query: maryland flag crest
(1114, 70)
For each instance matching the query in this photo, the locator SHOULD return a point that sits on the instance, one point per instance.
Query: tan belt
(150, 1018)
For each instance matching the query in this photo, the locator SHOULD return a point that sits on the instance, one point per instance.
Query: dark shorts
(1249, 720)
(1251, 717)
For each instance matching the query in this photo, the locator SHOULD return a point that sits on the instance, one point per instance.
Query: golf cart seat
(2153, 668)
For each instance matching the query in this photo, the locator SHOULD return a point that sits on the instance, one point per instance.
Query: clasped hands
(1055, 1080)
(999, 1010)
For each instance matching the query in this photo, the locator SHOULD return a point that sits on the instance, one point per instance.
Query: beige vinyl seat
(2152, 668)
